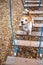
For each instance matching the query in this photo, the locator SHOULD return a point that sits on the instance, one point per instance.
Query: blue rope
(27, 5)
(15, 47)
(22, 2)
(39, 5)
(40, 49)
(40, 39)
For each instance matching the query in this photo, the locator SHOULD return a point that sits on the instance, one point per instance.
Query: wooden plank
(32, 1)
(33, 12)
(36, 12)
(28, 43)
(38, 25)
(36, 34)
(22, 61)
(32, 5)
(20, 32)
(23, 33)
(35, 25)
(38, 18)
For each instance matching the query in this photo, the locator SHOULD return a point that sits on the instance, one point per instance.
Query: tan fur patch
(27, 17)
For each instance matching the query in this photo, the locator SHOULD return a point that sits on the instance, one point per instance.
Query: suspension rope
(40, 39)
(14, 42)
(40, 49)
(27, 5)
(22, 2)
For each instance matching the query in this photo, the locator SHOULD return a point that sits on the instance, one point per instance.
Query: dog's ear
(30, 16)
(28, 13)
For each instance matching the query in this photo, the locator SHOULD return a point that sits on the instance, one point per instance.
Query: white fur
(23, 19)
(26, 10)
(32, 21)
(28, 27)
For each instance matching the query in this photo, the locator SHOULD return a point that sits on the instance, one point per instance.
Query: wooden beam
(38, 25)
(33, 12)
(23, 33)
(35, 25)
(28, 43)
(20, 32)
(22, 61)
(36, 12)
(38, 18)
(36, 33)
(32, 5)
(32, 1)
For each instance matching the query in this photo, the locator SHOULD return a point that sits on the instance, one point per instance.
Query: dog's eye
(25, 19)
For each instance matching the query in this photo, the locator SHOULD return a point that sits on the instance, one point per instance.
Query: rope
(27, 5)
(22, 2)
(40, 49)
(40, 39)
(14, 42)
(39, 13)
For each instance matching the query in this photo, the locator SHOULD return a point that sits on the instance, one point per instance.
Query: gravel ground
(5, 31)
(6, 47)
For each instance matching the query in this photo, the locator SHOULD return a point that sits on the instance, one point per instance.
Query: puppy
(27, 21)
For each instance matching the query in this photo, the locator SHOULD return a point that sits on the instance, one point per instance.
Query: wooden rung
(11, 60)
(38, 25)
(28, 43)
(36, 34)
(20, 32)
(34, 12)
(38, 18)
(35, 25)
(32, 5)
(32, 1)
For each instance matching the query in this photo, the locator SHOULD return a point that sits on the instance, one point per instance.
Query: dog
(27, 21)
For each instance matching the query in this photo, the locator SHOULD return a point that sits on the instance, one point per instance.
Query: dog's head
(26, 19)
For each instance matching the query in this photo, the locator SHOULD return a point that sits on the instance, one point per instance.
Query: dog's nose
(22, 22)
